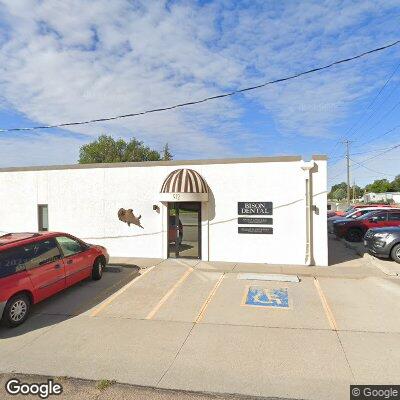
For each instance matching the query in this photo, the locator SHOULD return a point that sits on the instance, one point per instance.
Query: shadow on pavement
(74, 300)
(338, 253)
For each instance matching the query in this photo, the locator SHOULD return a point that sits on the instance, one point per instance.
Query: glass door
(184, 230)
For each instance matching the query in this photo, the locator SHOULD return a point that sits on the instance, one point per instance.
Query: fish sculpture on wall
(129, 217)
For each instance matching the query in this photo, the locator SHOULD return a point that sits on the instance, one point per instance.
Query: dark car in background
(353, 230)
(384, 242)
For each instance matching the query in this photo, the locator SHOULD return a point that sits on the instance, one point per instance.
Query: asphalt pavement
(191, 325)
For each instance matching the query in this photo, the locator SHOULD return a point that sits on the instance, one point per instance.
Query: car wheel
(16, 310)
(395, 253)
(98, 269)
(354, 235)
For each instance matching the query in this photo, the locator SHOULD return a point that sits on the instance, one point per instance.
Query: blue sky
(63, 61)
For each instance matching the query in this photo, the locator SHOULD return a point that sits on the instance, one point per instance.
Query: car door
(77, 259)
(377, 220)
(393, 219)
(45, 267)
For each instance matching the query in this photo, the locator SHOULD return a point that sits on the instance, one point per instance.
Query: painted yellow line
(210, 296)
(107, 302)
(325, 304)
(151, 314)
(81, 308)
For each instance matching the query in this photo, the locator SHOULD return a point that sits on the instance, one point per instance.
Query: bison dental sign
(252, 208)
(255, 208)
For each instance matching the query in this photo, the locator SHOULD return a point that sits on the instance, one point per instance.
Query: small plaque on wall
(255, 229)
(254, 221)
(255, 208)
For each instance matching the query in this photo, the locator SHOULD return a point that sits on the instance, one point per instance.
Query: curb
(371, 259)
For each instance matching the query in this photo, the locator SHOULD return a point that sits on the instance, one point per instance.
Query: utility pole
(347, 142)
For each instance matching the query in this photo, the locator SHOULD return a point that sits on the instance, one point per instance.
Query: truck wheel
(354, 235)
(98, 268)
(16, 310)
(395, 253)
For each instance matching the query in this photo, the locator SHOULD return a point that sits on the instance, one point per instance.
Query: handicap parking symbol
(266, 297)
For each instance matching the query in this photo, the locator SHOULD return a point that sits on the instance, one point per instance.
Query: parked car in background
(356, 207)
(353, 230)
(353, 215)
(384, 242)
(35, 266)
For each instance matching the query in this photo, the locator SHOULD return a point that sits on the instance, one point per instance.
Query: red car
(356, 207)
(353, 230)
(34, 266)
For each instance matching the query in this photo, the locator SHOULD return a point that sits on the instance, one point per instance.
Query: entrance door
(184, 230)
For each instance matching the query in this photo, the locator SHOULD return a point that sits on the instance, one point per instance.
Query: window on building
(43, 217)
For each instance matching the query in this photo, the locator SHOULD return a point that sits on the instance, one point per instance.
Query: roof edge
(247, 160)
(318, 157)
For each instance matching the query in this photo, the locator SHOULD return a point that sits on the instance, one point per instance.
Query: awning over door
(184, 185)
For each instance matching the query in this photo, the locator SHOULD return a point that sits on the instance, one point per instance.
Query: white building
(262, 210)
(387, 196)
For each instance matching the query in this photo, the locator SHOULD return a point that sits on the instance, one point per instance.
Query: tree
(378, 186)
(105, 149)
(358, 192)
(166, 153)
(334, 189)
(395, 184)
(339, 194)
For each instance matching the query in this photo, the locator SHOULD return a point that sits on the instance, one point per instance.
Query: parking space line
(107, 302)
(325, 305)
(151, 314)
(208, 299)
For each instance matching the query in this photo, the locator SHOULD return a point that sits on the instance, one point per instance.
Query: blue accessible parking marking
(265, 297)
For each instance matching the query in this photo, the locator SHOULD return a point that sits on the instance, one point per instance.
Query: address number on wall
(176, 196)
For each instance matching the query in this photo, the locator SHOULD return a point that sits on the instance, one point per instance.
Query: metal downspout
(307, 168)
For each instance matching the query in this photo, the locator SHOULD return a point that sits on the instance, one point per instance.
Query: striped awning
(184, 185)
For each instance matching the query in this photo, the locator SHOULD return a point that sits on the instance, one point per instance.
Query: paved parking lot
(186, 325)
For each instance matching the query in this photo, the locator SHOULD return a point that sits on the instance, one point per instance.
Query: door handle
(70, 261)
(57, 266)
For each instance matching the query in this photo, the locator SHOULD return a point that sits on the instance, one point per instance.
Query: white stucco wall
(84, 202)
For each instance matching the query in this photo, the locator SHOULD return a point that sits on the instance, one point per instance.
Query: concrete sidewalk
(387, 266)
(185, 325)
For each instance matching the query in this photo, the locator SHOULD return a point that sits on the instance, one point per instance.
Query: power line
(380, 154)
(367, 159)
(379, 136)
(369, 106)
(373, 112)
(374, 99)
(372, 170)
(220, 96)
(358, 153)
(334, 177)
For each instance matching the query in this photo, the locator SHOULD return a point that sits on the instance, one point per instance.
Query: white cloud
(74, 60)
